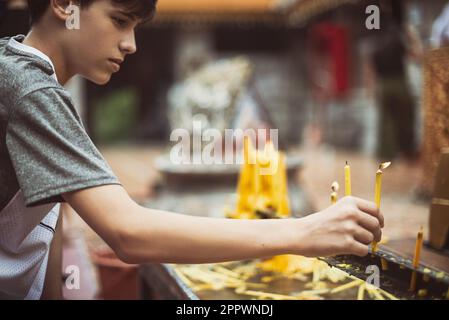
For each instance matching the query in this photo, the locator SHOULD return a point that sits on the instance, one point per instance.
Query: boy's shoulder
(22, 73)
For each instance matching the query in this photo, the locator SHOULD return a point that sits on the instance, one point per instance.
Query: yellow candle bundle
(262, 186)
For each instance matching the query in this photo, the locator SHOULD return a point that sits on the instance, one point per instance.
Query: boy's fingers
(359, 249)
(363, 236)
(371, 224)
(370, 208)
(378, 237)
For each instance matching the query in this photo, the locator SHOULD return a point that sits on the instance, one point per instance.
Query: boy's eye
(120, 22)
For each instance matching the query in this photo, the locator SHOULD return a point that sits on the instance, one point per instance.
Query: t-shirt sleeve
(50, 149)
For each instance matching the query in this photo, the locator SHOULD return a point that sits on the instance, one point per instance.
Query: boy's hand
(347, 227)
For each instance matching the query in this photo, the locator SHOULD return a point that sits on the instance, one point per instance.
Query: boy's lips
(116, 63)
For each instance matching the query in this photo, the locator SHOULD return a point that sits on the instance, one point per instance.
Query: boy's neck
(49, 47)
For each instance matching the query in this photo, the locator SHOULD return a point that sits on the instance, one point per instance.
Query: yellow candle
(245, 179)
(348, 191)
(283, 205)
(384, 264)
(335, 186)
(418, 247)
(333, 197)
(247, 182)
(361, 292)
(378, 188)
(377, 193)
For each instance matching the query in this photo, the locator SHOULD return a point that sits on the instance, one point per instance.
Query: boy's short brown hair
(139, 9)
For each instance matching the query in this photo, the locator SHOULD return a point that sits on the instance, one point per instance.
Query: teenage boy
(47, 158)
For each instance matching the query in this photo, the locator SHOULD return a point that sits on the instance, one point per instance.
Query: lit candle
(347, 179)
(378, 188)
(335, 186)
(418, 247)
(377, 193)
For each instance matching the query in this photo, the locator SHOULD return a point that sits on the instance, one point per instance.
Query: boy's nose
(128, 45)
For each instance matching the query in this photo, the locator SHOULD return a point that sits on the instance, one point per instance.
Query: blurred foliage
(115, 116)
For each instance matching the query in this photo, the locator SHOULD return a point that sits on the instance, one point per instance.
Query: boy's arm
(139, 234)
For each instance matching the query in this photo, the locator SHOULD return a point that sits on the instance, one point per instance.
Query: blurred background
(340, 80)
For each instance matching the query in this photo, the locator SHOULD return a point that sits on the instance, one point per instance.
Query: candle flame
(347, 163)
(335, 186)
(384, 165)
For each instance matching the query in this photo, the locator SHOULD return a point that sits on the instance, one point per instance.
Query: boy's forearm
(139, 234)
(159, 236)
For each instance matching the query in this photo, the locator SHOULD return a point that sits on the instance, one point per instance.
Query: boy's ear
(61, 8)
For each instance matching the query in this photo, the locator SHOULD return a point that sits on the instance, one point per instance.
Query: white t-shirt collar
(25, 48)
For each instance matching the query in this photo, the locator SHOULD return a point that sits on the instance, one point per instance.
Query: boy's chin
(100, 79)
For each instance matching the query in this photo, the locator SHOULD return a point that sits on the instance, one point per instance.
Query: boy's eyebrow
(127, 14)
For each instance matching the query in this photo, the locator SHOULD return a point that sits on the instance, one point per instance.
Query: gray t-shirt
(44, 152)
(44, 148)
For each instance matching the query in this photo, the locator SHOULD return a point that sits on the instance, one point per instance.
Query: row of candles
(377, 198)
